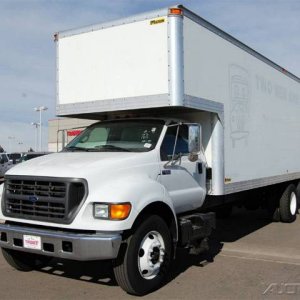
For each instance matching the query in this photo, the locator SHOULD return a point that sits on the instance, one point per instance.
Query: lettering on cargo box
(275, 91)
(157, 21)
(240, 99)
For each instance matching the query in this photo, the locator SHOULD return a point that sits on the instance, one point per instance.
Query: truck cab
(167, 140)
(113, 180)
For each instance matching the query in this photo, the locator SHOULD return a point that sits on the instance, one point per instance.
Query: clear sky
(27, 50)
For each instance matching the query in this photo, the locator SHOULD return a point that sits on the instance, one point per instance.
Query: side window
(167, 146)
(98, 134)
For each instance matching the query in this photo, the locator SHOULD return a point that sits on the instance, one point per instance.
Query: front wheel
(144, 263)
(23, 261)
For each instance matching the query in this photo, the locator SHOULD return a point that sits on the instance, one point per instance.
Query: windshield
(123, 136)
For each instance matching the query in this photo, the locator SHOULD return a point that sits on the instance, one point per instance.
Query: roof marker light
(175, 11)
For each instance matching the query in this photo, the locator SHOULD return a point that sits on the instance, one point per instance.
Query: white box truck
(191, 122)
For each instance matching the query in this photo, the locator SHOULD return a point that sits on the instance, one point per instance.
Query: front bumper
(63, 244)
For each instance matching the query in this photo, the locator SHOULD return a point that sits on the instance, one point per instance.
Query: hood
(82, 164)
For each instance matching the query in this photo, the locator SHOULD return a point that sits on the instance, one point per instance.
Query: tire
(23, 261)
(298, 193)
(288, 205)
(134, 271)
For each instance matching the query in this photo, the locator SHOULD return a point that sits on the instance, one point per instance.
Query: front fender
(139, 191)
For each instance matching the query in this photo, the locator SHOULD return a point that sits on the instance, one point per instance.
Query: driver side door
(183, 179)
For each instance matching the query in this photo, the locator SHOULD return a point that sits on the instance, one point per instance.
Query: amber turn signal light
(120, 211)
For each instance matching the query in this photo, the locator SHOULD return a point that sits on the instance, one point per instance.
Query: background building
(63, 130)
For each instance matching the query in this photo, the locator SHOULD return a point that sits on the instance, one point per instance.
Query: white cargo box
(133, 63)
(174, 58)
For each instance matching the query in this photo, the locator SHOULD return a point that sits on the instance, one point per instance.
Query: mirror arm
(175, 144)
(172, 161)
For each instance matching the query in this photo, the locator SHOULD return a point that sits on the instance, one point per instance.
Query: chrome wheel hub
(293, 204)
(151, 255)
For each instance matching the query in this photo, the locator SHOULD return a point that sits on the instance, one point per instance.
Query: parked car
(15, 157)
(30, 155)
(5, 163)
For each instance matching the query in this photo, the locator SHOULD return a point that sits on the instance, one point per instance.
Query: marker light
(175, 11)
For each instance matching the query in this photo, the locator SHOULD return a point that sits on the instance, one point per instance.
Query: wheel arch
(162, 210)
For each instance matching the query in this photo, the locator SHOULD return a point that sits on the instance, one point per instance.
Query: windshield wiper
(74, 148)
(96, 149)
(111, 147)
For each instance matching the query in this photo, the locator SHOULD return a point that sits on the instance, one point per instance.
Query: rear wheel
(143, 264)
(288, 205)
(23, 261)
(298, 193)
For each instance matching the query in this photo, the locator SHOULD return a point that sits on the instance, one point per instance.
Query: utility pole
(40, 109)
(36, 125)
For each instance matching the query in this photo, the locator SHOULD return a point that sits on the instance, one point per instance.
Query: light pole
(40, 109)
(36, 125)
(9, 142)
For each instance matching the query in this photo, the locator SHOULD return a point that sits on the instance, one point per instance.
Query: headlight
(112, 211)
(101, 210)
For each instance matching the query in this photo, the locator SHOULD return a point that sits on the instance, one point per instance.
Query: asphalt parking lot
(250, 258)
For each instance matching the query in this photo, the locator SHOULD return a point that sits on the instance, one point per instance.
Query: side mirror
(194, 138)
(2, 161)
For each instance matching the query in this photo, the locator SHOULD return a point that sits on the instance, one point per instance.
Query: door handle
(166, 172)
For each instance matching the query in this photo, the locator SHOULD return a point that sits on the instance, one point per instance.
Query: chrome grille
(37, 188)
(46, 200)
(40, 209)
